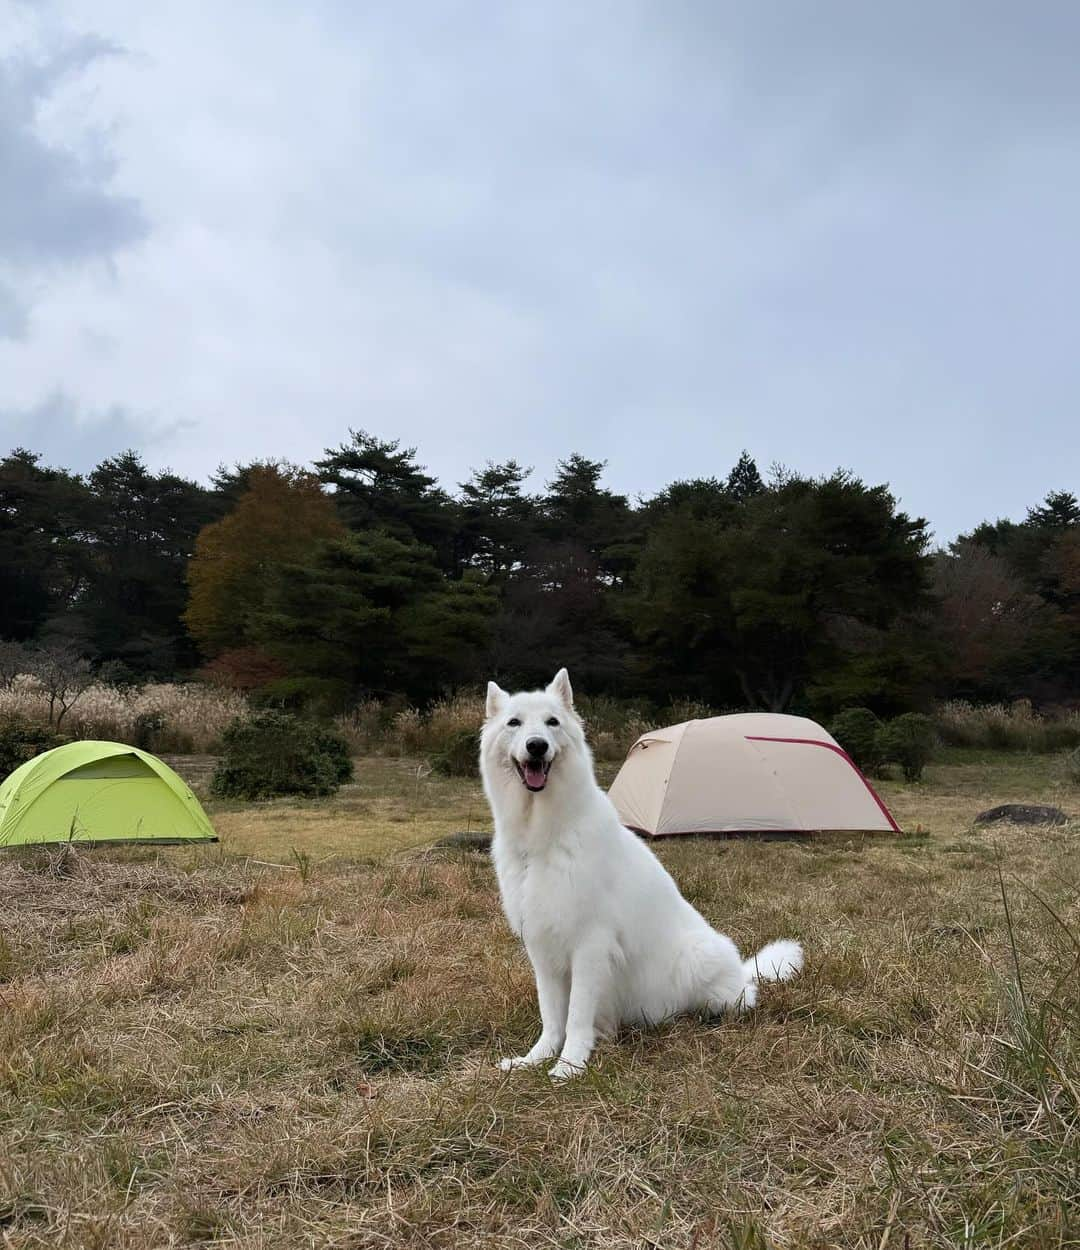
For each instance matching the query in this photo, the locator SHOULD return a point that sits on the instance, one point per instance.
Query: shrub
(1072, 767)
(336, 749)
(910, 741)
(22, 739)
(856, 729)
(460, 754)
(274, 753)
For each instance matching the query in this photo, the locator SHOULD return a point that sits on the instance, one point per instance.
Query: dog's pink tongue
(535, 775)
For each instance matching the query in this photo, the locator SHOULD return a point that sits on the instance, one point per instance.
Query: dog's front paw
(564, 1070)
(518, 1061)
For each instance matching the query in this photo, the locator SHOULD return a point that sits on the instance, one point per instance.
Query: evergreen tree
(378, 483)
(561, 612)
(43, 514)
(702, 497)
(497, 519)
(795, 591)
(1060, 510)
(369, 614)
(744, 480)
(139, 536)
(583, 517)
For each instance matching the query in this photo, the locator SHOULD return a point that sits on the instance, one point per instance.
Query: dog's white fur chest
(540, 885)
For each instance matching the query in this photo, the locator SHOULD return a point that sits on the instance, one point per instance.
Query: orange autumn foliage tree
(283, 515)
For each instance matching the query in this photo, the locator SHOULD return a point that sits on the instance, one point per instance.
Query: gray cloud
(656, 233)
(75, 440)
(58, 209)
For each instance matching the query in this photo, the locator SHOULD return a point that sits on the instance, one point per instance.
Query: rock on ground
(1022, 814)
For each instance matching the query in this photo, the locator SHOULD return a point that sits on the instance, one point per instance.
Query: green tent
(99, 792)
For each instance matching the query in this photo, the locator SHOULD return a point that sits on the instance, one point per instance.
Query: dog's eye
(513, 722)
(552, 721)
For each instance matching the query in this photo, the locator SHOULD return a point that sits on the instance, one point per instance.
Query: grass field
(289, 1040)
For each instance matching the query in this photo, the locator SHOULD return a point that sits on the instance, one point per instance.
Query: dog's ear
(496, 699)
(560, 687)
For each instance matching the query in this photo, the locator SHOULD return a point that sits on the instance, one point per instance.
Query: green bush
(910, 741)
(273, 753)
(335, 746)
(459, 755)
(856, 729)
(22, 739)
(1072, 767)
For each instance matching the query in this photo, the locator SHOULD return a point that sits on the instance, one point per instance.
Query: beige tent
(756, 772)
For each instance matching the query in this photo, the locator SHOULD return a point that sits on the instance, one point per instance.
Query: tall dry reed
(1007, 727)
(164, 716)
(612, 724)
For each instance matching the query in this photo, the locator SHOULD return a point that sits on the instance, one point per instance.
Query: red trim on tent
(740, 833)
(814, 742)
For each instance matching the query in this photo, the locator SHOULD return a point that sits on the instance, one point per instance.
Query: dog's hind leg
(590, 975)
(553, 991)
(726, 984)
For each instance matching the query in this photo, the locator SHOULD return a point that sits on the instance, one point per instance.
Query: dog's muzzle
(534, 771)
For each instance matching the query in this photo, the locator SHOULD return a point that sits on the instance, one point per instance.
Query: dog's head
(526, 733)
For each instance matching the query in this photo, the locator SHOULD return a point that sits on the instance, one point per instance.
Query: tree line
(361, 576)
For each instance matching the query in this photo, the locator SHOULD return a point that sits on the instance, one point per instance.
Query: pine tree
(142, 532)
(584, 517)
(744, 480)
(1059, 510)
(497, 518)
(43, 558)
(378, 483)
(369, 614)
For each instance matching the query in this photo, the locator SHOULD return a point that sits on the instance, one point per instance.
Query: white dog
(610, 938)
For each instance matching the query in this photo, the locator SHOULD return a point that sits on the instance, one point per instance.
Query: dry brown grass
(199, 1049)
(1012, 727)
(613, 725)
(392, 805)
(188, 717)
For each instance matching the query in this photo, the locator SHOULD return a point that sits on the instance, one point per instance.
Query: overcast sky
(657, 233)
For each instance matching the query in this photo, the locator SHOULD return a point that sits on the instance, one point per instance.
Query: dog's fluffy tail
(778, 961)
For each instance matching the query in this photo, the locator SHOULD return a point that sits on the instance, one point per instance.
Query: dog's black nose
(537, 747)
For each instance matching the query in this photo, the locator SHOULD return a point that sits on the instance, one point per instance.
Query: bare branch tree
(64, 675)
